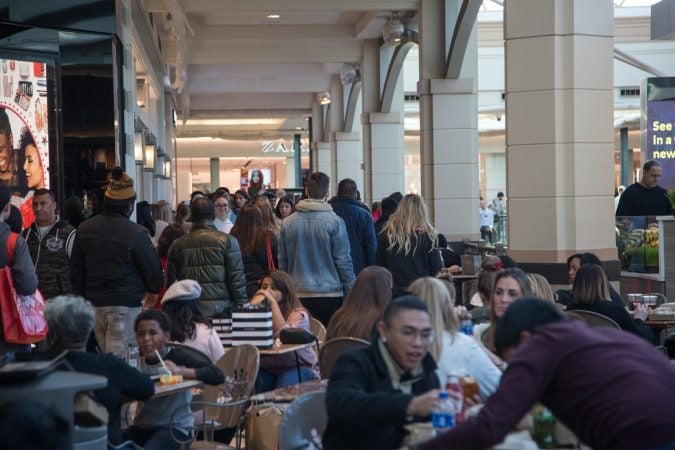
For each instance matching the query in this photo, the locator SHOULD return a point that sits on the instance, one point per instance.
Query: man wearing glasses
(373, 392)
(222, 220)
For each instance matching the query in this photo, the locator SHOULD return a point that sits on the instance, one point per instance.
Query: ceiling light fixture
(394, 31)
(273, 16)
(323, 98)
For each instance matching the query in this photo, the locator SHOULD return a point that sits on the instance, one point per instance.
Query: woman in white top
(454, 352)
(188, 326)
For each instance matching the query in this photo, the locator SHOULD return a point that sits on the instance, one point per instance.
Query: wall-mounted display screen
(658, 131)
(24, 130)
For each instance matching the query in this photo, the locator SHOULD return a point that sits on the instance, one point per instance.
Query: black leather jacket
(214, 260)
(113, 262)
(364, 411)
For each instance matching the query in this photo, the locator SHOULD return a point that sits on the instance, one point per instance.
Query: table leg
(297, 364)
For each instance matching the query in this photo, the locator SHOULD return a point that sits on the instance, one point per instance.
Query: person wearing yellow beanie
(114, 265)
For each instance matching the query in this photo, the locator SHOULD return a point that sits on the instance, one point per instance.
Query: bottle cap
(443, 394)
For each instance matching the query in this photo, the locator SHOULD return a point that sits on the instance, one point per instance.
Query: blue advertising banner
(658, 125)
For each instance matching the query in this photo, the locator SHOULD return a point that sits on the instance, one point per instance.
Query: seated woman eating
(287, 312)
(591, 293)
(70, 321)
(151, 423)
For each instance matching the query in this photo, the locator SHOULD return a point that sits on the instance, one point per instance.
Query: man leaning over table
(609, 387)
(373, 392)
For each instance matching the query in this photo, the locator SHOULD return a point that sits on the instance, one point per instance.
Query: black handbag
(296, 336)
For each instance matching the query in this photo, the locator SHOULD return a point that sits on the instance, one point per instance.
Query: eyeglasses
(410, 335)
(222, 205)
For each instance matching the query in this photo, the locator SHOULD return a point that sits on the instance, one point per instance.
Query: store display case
(637, 241)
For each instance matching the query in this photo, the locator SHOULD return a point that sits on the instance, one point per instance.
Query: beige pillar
(448, 128)
(383, 132)
(317, 133)
(560, 145)
(388, 171)
(323, 158)
(349, 161)
(336, 116)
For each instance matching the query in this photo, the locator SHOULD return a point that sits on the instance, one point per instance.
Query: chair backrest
(303, 422)
(194, 352)
(240, 366)
(331, 351)
(592, 319)
(318, 330)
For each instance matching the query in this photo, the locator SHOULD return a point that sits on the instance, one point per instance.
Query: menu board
(24, 130)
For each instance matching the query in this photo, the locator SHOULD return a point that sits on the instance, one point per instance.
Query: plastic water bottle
(544, 429)
(132, 356)
(467, 325)
(453, 385)
(443, 416)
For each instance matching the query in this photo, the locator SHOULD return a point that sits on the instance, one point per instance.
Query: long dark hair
(248, 228)
(288, 198)
(144, 217)
(184, 315)
(289, 298)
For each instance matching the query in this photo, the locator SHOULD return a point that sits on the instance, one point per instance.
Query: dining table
(287, 348)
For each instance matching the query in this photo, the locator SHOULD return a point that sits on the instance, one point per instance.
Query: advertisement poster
(659, 129)
(24, 133)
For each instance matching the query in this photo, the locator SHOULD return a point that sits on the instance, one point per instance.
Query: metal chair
(303, 422)
(318, 330)
(592, 319)
(225, 405)
(331, 351)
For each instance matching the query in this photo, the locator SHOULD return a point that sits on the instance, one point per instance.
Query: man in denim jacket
(314, 250)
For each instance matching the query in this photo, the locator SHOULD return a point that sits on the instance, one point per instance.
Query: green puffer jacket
(213, 259)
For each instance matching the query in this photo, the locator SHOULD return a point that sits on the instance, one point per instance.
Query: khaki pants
(114, 329)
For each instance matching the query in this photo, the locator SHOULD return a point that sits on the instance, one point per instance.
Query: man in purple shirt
(612, 389)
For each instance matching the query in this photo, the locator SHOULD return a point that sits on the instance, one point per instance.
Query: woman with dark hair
(364, 305)
(258, 246)
(72, 211)
(241, 198)
(188, 325)
(144, 217)
(574, 262)
(285, 207)
(287, 312)
(269, 220)
(590, 293)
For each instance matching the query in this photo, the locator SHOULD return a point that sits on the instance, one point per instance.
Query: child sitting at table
(151, 423)
(287, 312)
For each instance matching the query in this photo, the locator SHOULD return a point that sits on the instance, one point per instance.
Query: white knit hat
(182, 290)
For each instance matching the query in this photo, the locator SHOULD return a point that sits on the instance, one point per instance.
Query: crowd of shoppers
(165, 277)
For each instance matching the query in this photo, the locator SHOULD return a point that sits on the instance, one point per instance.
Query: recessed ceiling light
(273, 16)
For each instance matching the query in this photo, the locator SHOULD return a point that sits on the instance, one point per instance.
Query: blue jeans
(267, 382)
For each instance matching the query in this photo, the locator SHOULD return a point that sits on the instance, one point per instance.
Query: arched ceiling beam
(354, 93)
(393, 72)
(466, 19)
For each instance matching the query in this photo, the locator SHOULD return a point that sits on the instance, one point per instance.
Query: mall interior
(452, 99)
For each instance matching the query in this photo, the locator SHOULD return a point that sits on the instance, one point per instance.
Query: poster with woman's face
(24, 137)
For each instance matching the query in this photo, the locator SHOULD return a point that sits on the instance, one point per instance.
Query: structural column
(336, 118)
(386, 147)
(383, 132)
(349, 157)
(448, 126)
(559, 136)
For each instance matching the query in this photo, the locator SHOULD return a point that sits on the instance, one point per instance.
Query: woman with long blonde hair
(455, 353)
(407, 244)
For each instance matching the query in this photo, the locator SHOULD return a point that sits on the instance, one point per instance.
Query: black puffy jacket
(214, 260)
(113, 262)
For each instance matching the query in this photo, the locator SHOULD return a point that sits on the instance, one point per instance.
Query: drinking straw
(162, 361)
